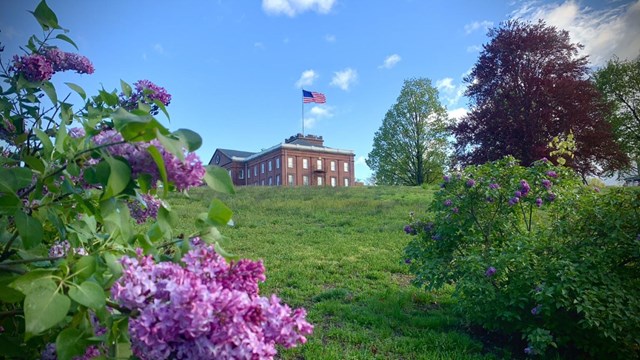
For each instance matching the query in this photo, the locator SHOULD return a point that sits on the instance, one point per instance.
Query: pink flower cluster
(62, 248)
(40, 67)
(148, 208)
(208, 309)
(183, 174)
(146, 92)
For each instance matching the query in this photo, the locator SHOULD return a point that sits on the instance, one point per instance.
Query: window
(278, 180)
(319, 180)
(319, 164)
(277, 163)
(305, 180)
(249, 174)
(270, 183)
(333, 181)
(255, 170)
(270, 165)
(290, 179)
(262, 183)
(333, 166)
(346, 167)
(241, 174)
(262, 168)
(290, 162)
(305, 163)
(346, 182)
(230, 174)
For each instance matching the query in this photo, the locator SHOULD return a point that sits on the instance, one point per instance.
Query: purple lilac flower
(471, 183)
(538, 202)
(596, 189)
(145, 209)
(153, 91)
(455, 210)
(552, 174)
(536, 310)
(489, 199)
(551, 197)
(490, 271)
(446, 178)
(524, 187)
(546, 183)
(448, 202)
(514, 200)
(63, 61)
(544, 160)
(436, 237)
(62, 248)
(33, 67)
(49, 353)
(517, 193)
(77, 132)
(408, 229)
(206, 309)
(494, 186)
(407, 261)
(529, 350)
(183, 174)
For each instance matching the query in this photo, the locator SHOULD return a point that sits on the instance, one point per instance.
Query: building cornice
(317, 149)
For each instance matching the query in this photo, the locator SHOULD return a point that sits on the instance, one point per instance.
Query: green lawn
(338, 253)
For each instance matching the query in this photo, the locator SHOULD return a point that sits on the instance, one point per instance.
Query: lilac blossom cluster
(183, 174)
(146, 92)
(62, 248)
(208, 309)
(40, 67)
(145, 208)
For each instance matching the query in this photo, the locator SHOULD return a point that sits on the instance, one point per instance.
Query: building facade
(298, 161)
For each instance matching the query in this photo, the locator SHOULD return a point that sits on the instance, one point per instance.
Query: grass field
(338, 253)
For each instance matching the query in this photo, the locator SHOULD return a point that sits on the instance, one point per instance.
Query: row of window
(305, 165)
(305, 181)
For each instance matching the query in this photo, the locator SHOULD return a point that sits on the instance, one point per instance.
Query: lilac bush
(205, 309)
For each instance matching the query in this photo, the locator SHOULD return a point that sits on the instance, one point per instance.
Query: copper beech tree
(528, 86)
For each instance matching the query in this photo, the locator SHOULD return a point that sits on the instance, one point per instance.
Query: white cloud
(474, 48)
(604, 33)
(457, 113)
(390, 61)
(292, 8)
(258, 45)
(361, 160)
(158, 48)
(330, 38)
(316, 114)
(476, 25)
(345, 78)
(307, 78)
(450, 91)
(310, 122)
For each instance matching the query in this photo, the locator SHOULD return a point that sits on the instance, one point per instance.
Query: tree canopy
(410, 146)
(619, 83)
(528, 86)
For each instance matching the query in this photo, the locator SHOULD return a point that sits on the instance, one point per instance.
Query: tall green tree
(410, 148)
(619, 83)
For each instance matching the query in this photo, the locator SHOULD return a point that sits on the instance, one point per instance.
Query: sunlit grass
(338, 253)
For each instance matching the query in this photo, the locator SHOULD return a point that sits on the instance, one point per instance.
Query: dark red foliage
(528, 86)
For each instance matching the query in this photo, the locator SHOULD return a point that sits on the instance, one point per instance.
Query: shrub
(533, 252)
(74, 283)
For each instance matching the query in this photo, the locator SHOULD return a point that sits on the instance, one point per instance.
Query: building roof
(235, 153)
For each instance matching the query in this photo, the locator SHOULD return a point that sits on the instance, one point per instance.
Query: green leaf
(45, 16)
(109, 98)
(219, 180)
(8, 294)
(9, 203)
(88, 294)
(159, 160)
(46, 142)
(190, 139)
(14, 178)
(119, 177)
(172, 145)
(77, 89)
(85, 267)
(61, 136)
(50, 90)
(162, 107)
(126, 88)
(136, 127)
(113, 264)
(219, 213)
(34, 163)
(67, 39)
(34, 278)
(44, 308)
(30, 229)
(70, 343)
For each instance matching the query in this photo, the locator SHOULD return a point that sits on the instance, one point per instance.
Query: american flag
(312, 96)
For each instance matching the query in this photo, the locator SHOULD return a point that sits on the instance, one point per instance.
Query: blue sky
(235, 68)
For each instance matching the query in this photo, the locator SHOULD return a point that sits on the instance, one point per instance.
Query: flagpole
(302, 112)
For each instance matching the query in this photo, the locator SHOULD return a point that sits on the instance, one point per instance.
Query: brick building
(299, 160)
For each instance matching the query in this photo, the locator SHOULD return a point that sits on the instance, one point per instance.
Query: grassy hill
(338, 253)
